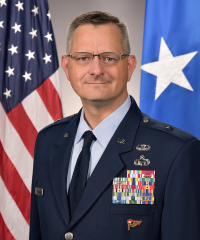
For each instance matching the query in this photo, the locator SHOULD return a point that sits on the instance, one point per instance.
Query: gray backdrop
(130, 11)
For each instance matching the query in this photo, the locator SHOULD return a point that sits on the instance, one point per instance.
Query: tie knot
(88, 138)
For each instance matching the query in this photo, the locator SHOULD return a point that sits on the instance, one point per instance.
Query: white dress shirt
(103, 133)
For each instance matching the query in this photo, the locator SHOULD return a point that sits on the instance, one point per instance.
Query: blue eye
(109, 59)
(83, 59)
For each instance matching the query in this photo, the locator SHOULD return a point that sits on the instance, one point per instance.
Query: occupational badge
(143, 147)
(142, 161)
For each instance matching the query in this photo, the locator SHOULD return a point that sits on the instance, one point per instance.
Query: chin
(96, 98)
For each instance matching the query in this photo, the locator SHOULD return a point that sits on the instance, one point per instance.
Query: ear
(131, 65)
(64, 64)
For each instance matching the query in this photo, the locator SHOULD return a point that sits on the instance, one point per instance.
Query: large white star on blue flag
(168, 69)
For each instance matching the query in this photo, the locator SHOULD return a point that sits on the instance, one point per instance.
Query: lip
(96, 83)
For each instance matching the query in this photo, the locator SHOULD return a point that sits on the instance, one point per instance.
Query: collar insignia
(122, 141)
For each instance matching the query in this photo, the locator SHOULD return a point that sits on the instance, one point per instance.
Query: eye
(83, 59)
(109, 59)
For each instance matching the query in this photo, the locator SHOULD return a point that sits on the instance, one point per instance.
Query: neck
(96, 111)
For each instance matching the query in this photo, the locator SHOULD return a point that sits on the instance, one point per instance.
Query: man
(110, 171)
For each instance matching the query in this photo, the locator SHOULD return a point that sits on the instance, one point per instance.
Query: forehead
(97, 39)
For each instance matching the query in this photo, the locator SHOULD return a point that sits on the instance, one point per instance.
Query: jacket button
(69, 236)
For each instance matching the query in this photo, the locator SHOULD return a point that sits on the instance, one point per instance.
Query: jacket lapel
(59, 162)
(110, 163)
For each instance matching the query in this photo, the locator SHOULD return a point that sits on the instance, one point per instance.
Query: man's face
(98, 82)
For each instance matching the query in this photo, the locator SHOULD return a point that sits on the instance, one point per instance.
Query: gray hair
(98, 18)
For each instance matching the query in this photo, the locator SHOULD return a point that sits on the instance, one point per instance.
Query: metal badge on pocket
(137, 188)
(39, 191)
(133, 223)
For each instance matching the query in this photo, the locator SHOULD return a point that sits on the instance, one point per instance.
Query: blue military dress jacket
(173, 212)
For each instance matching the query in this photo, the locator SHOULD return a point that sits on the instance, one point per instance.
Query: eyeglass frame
(93, 55)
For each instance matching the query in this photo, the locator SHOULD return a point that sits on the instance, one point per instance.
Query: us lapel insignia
(133, 223)
(142, 161)
(143, 147)
(122, 141)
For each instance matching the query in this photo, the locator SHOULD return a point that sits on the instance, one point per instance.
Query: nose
(96, 67)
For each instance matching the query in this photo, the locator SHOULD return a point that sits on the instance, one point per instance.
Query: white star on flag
(3, 2)
(10, 71)
(169, 69)
(19, 5)
(17, 28)
(30, 55)
(7, 93)
(1, 24)
(49, 36)
(27, 76)
(13, 49)
(35, 10)
(47, 58)
(49, 15)
(33, 33)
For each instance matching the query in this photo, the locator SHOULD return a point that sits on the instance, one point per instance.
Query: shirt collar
(105, 130)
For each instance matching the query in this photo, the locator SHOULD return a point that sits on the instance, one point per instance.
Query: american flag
(30, 99)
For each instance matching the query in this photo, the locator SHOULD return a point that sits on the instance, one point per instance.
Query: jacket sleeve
(181, 210)
(35, 232)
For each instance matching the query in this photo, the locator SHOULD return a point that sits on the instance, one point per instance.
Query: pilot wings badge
(142, 161)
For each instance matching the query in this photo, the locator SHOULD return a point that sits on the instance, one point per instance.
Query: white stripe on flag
(15, 149)
(12, 216)
(34, 107)
(55, 79)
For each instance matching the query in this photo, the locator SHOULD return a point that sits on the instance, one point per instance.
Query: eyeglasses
(107, 58)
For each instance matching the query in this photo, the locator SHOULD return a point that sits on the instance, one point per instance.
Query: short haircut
(97, 18)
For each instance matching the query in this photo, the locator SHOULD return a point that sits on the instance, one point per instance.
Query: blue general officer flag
(170, 80)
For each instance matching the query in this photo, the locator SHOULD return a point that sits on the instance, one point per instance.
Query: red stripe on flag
(24, 127)
(51, 99)
(15, 185)
(5, 234)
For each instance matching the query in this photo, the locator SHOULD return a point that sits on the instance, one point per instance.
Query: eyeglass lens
(107, 58)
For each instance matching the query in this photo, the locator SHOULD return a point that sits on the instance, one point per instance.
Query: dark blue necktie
(79, 177)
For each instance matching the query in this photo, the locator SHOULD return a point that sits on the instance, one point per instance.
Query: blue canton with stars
(27, 49)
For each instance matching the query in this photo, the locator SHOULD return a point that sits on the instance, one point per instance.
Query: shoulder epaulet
(59, 121)
(161, 126)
